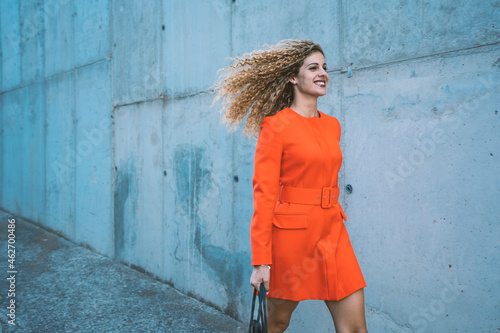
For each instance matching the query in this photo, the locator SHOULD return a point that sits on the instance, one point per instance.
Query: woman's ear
(292, 80)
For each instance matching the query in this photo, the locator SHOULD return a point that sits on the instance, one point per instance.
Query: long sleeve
(266, 182)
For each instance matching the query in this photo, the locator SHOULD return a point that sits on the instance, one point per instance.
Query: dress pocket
(342, 213)
(290, 221)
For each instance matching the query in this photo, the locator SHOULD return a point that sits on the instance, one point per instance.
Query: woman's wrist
(267, 266)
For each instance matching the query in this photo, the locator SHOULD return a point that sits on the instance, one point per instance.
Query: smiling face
(312, 78)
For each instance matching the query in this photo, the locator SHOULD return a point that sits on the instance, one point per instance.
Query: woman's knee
(281, 327)
(279, 313)
(348, 314)
(278, 325)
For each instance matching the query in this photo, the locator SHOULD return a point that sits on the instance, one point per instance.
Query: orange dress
(300, 234)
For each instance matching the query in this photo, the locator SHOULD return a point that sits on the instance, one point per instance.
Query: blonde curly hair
(257, 85)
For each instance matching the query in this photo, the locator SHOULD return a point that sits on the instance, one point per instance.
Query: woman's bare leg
(349, 313)
(279, 312)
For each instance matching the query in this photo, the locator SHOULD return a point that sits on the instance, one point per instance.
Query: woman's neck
(305, 108)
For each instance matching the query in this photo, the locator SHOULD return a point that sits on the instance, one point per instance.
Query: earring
(293, 81)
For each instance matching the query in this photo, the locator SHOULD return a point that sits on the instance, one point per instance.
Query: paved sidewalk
(63, 287)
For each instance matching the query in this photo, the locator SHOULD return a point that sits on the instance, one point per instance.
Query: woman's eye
(313, 68)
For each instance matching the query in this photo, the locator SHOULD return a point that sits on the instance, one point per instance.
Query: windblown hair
(257, 85)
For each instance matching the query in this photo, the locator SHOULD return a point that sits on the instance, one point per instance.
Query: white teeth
(320, 83)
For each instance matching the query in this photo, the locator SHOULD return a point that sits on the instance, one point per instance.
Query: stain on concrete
(192, 176)
(198, 237)
(154, 138)
(124, 197)
(192, 181)
(120, 197)
(229, 268)
(193, 172)
(497, 63)
(390, 113)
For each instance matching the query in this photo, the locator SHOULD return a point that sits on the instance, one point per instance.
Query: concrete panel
(61, 156)
(2, 150)
(11, 44)
(13, 151)
(33, 152)
(59, 36)
(383, 31)
(93, 211)
(200, 235)
(92, 34)
(136, 52)
(422, 153)
(139, 177)
(258, 22)
(32, 55)
(1, 58)
(243, 151)
(196, 43)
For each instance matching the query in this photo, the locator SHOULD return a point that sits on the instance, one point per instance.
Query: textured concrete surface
(392, 30)
(436, 134)
(108, 136)
(63, 287)
(93, 174)
(194, 47)
(136, 62)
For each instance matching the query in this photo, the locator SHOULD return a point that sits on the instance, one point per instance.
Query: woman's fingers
(266, 277)
(260, 274)
(266, 284)
(255, 279)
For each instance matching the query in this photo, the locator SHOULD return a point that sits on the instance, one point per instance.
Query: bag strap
(261, 321)
(251, 326)
(262, 307)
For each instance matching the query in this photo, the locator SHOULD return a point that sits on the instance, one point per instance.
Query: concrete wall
(109, 138)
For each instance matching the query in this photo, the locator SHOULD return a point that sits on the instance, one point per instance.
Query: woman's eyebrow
(314, 63)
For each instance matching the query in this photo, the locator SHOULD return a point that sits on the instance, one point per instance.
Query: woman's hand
(260, 275)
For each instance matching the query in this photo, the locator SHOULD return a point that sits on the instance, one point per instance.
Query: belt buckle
(327, 197)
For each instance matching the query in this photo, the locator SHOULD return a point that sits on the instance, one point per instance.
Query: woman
(300, 246)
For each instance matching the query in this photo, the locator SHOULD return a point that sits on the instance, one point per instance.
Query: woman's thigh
(349, 313)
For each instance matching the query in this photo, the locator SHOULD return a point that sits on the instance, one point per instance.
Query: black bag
(259, 325)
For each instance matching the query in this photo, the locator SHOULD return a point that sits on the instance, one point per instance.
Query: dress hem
(319, 299)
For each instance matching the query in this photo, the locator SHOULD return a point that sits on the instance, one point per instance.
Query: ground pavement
(62, 287)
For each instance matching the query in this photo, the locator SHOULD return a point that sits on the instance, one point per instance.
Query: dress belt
(326, 197)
